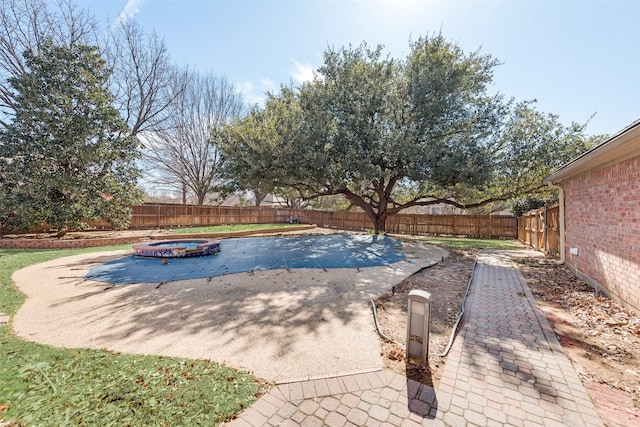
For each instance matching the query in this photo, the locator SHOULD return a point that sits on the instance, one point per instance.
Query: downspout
(561, 203)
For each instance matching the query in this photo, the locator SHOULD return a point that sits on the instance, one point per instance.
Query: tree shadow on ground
(510, 355)
(275, 315)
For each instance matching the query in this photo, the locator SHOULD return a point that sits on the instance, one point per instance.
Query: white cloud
(303, 72)
(130, 10)
(268, 84)
(255, 94)
(250, 94)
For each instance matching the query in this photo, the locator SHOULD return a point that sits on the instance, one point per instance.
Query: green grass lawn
(468, 243)
(228, 228)
(50, 386)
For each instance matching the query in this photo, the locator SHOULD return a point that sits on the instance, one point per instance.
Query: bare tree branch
(24, 25)
(182, 149)
(144, 81)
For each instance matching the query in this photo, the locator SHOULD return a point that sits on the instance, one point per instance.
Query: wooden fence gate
(540, 229)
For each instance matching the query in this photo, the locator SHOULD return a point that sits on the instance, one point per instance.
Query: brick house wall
(602, 221)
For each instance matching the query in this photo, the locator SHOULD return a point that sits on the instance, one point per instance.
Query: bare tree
(24, 25)
(144, 81)
(183, 151)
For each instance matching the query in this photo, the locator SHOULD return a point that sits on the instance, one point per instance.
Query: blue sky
(577, 58)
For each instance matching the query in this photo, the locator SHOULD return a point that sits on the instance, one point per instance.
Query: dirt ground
(601, 338)
(446, 282)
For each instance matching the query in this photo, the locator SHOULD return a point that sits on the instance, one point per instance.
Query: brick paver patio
(506, 368)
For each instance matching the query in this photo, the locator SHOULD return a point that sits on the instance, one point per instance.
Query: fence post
(530, 224)
(544, 232)
(158, 215)
(537, 213)
(491, 227)
(532, 216)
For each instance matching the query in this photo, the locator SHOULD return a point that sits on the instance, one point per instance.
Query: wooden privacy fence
(492, 226)
(169, 215)
(540, 229)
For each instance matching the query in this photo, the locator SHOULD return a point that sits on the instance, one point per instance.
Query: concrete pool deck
(281, 325)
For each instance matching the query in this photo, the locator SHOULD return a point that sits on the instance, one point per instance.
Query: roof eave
(623, 145)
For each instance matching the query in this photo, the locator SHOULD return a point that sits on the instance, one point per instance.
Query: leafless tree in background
(24, 25)
(144, 81)
(183, 152)
(170, 109)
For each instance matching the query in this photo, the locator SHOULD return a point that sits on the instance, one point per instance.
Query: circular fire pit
(177, 248)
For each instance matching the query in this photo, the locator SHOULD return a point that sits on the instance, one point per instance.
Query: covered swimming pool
(239, 255)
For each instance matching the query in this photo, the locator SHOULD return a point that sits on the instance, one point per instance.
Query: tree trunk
(379, 223)
(258, 196)
(377, 216)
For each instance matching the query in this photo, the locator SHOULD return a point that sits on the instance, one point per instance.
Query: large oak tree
(259, 150)
(390, 134)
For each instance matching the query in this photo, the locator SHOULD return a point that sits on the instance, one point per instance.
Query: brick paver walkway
(506, 368)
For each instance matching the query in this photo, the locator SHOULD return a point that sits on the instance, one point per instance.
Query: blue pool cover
(256, 253)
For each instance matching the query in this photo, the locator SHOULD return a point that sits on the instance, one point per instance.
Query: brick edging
(90, 243)
(228, 234)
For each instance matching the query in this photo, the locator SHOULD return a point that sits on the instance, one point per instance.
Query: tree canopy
(388, 134)
(257, 150)
(66, 157)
